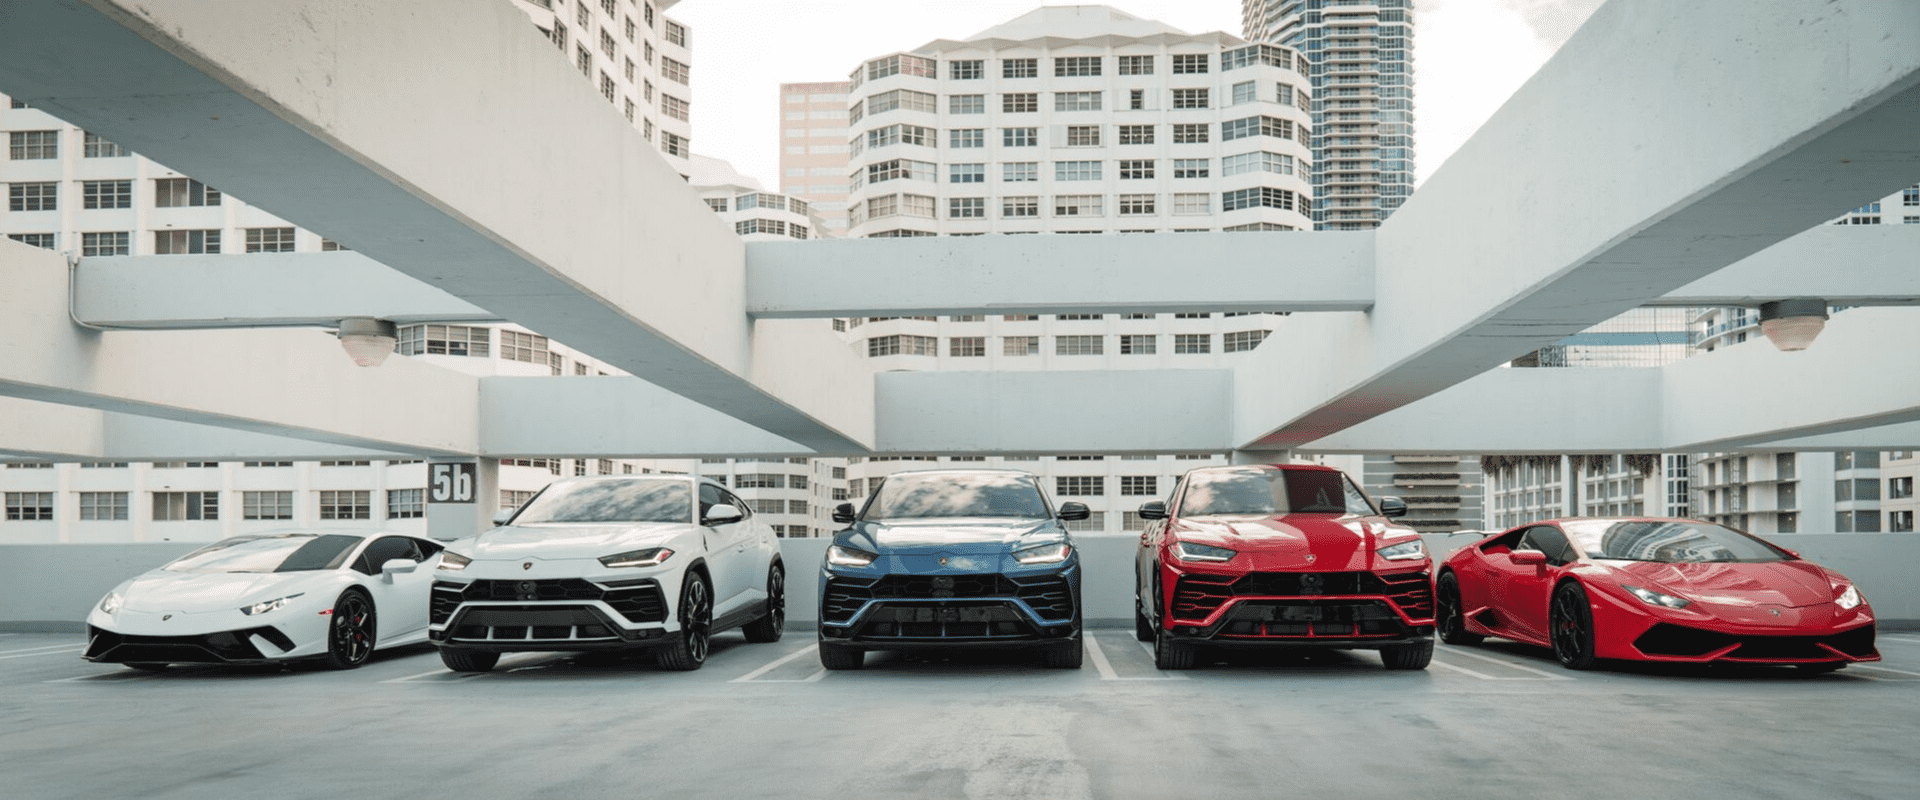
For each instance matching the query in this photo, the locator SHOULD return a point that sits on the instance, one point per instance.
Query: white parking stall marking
(43, 647)
(1481, 675)
(1886, 669)
(776, 665)
(1903, 639)
(456, 676)
(1107, 672)
(1544, 675)
(61, 650)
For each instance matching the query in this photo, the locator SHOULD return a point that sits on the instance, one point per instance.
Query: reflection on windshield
(1674, 542)
(622, 500)
(1265, 491)
(287, 552)
(957, 495)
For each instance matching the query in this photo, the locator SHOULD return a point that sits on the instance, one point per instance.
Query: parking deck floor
(763, 720)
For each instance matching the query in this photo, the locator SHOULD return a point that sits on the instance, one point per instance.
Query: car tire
(151, 666)
(1413, 655)
(352, 631)
(1063, 655)
(468, 660)
(1570, 627)
(1142, 627)
(774, 622)
(1449, 616)
(1172, 654)
(840, 656)
(689, 648)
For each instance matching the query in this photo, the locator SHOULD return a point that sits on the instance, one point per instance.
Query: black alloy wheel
(1571, 626)
(774, 622)
(350, 636)
(1452, 618)
(689, 650)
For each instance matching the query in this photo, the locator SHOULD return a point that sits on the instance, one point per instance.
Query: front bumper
(549, 614)
(903, 611)
(1362, 610)
(264, 644)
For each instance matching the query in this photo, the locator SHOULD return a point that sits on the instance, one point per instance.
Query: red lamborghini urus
(1289, 555)
(1653, 590)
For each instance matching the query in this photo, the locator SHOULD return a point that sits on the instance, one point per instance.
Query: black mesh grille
(1050, 597)
(1411, 591)
(104, 645)
(532, 590)
(1198, 596)
(1313, 619)
(1665, 639)
(638, 600)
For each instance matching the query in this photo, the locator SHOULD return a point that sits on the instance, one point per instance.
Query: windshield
(1254, 490)
(623, 500)
(957, 495)
(287, 552)
(1669, 541)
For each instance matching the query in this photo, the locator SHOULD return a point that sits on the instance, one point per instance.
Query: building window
(1079, 205)
(1076, 101)
(183, 192)
(1136, 169)
(608, 89)
(1136, 134)
(41, 196)
(1190, 133)
(1192, 167)
(1080, 485)
(107, 194)
(967, 207)
(182, 506)
(1192, 203)
(1076, 170)
(1011, 207)
(1243, 92)
(96, 147)
(1020, 171)
(966, 70)
(673, 106)
(1019, 68)
(1190, 98)
(1076, 66)
(967, 137)
(1020, 345)
(967, 104)
(1020, 137)
(1900, 521)
(1190, 63)
(1256, 197)
(1083, 136)
(1900, 488)
(966, 173)
(676, 33)
(44, 241)
(672, 70)
(34, 145)
(967, 346)
(674, 144)
(1256, 126)
(902, 344)
(103, 505)
(449, 340)
(105, 244)
(269, 240)
(1193, 343)
(916, 205)
(406, 504)
(1136, 65)
(1139, 485)
(1079, 345)
(1095, 522)
(1020, 102)
(24, 506)
(186, 242)
(1137, 205)
(1136, 344)
(1257, 162)
(1238, 341)
(266, 505)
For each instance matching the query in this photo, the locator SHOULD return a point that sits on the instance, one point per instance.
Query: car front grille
(1199, 596)
(1665, 639)
(521, 624)
(1050, 597)
(1312, 619)
(639, 600)
(104, 645)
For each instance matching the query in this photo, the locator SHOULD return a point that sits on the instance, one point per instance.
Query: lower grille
(1050, 597)
(1666, 639)
(1199, 596)
(532, 623)
(638, 600)
(1312, 619)
(212, 648)
(947, 620)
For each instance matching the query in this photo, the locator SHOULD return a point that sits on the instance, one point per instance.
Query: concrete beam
(1846, 265)
(1140, 273)
(31, 430)
(610, 417)
(1899, 436)
(259, 290)
(1094, 411)
(1578, 200)
(295, 107)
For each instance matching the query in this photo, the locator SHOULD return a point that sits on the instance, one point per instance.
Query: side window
(1549, 540)
(729, 498)
(383, 550)
(709, 497)
(1357, 502)
(1506, 543)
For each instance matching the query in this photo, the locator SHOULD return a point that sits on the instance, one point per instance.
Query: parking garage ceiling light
(368, 341)
(1792, 324)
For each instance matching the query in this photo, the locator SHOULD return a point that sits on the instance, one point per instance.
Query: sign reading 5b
(452, 482)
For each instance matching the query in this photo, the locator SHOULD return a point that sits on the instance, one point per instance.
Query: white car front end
(239, 618)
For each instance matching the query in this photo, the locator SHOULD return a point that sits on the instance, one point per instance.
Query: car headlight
(265, 606)
(1194, 551)
(452, 561)
(849, 557)
(111, 603)
(1848, 599)
(1652, 597)
(650, 557)
(1404, 551)
(1044, 554)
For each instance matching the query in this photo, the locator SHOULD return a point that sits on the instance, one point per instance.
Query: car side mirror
(843, 513)
(1393, 507)
(398, 566)
(1153, 509)
(500, 517)
(1073, 511)
(1527, 557)
(722, 514)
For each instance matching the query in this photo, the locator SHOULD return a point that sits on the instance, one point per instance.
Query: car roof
(1280, 467)
(962, 472)
(656, 476)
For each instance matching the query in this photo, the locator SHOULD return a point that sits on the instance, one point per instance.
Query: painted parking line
(449, 676)
(1544, 675)
(1107, 672)
(1901, 639)
(62, 650)
(1470, 673)
(1885, 669)
(779, 662)
(43, 647)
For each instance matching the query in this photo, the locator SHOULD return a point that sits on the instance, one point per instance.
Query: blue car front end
(986, 593)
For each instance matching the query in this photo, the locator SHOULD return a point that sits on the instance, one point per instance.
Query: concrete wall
(52, 587)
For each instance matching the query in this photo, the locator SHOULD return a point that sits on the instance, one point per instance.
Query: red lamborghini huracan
(1652, 590)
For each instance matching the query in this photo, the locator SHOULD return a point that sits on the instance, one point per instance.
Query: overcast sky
(1469, 55)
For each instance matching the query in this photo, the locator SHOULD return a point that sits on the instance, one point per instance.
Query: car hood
(1318, 542)
(161, 590)
(1739, 585)
(559, 541)
(956, 535)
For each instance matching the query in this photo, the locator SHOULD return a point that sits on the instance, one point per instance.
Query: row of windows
(188, 506)
(1063, 345)
(109, 194)
(1029, 102)
(36, 145)
(172, 242)
(1070, 136)
(1076, 66)
(1075, 205)
(855, 322)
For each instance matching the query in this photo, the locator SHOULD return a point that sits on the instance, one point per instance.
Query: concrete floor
(1498, 721)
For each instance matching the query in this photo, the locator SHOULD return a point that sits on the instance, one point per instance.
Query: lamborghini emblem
(527, 565)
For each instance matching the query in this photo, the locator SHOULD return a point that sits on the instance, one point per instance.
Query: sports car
(1650, 589)
(333, 596)
(952, 558)
(611, 563)
(1291, 555)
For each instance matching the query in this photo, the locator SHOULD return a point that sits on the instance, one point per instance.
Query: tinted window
(285, 552)
(618, 500)
(956, 494)
(1549, 541)
(1677, 541)
(386, 549)
(1265, 491)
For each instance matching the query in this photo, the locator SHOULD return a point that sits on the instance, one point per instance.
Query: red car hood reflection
(1317, 542)
(1793, 584)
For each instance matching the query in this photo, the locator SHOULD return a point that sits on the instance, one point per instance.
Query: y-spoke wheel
(1571, 622)
(769, 626)
(1452, 618)
(689, 648)
(351, 635)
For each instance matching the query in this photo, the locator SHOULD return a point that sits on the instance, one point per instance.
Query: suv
(1292, 555)
(610, 563)
(952, 558)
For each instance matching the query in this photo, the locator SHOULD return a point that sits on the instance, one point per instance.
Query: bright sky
(1469, 56)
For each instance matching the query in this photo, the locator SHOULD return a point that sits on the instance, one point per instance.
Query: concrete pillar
(462, 496)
